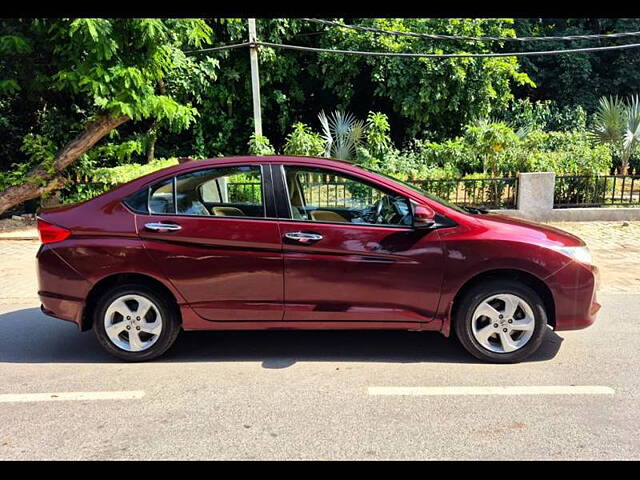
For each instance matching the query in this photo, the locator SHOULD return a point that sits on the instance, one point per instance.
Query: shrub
(125, 173)
(91, 183)
(493, 142)
(260, 145)
(422, 159)
(565, 153)
(304, 141)
(377, 137)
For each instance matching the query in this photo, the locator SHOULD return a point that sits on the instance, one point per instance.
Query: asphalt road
(306, 395)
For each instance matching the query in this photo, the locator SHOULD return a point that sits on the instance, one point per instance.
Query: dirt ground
(615, 247)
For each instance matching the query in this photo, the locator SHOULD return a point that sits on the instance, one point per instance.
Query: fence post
(535, 195)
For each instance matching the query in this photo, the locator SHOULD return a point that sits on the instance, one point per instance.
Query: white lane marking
(514, 390)
(65, 396)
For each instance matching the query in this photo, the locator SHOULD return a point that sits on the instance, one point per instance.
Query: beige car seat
(327, 216)
(295, 197)
(228, 212)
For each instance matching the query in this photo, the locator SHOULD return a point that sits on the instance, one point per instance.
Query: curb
(19, 238)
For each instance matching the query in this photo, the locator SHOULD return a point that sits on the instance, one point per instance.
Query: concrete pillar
(535, 195)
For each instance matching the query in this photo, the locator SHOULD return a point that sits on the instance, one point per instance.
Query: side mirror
(423, 216)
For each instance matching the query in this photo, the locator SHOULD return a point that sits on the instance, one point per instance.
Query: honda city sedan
(249, 243)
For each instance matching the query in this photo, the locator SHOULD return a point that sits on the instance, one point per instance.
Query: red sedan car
(304, 243)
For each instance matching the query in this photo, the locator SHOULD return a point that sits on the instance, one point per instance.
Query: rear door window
(225, 192)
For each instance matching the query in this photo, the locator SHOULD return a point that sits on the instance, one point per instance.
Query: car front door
(350, 252)
(212, 233)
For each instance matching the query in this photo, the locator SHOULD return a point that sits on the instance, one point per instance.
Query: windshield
(416, 189)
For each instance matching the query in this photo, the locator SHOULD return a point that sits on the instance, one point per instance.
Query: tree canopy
(77, 94)
(66, 83)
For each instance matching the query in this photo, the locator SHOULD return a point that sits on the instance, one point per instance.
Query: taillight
(50, 233)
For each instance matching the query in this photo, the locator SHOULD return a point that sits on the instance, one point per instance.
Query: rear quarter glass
(138, 202)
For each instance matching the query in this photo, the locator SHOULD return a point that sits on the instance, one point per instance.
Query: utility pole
(255, 77)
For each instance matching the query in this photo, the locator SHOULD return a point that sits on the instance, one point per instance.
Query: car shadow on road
(28, 336)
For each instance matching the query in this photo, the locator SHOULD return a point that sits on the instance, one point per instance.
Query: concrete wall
(535, 202)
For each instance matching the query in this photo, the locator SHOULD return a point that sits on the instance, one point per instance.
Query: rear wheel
(501, 321)
(134, 323)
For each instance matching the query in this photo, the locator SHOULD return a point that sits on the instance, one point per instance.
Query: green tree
(437, 95)
(577, 78)
(98, 74)
(419, 96)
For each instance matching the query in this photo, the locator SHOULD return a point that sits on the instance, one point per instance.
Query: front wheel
(501, 321)
(135, 323)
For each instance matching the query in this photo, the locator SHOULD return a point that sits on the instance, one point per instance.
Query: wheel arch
(522, 276)
(110, 281)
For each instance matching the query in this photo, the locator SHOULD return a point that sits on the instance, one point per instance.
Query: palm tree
(617, 123)
(342, 133)
(632, 131)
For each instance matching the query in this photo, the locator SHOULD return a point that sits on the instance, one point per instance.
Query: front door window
(319, 195)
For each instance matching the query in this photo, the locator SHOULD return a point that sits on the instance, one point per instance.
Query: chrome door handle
(303, 237)
(162, 227)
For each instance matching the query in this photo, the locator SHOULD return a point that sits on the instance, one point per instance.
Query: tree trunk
(152, 137)
(42, 180)
(152, 133)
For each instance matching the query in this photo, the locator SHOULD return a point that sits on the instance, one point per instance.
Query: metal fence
(493, 193)
(332, 191)
(573, 191)
(326, 190)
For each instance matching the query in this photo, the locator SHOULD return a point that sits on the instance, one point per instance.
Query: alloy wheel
(133, 323)
(503, 323)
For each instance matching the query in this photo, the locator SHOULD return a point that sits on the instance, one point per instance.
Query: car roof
(270, 159)
(187, 165)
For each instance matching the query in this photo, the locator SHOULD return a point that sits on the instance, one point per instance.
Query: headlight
(580, 254)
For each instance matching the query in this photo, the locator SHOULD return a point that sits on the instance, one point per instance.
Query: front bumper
(574, 292)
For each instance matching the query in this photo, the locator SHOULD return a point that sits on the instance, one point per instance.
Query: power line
(416, 55)
(221, 48)
(473, 39)
(449, 55)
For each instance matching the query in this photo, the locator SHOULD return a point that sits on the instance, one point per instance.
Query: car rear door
(218, 241)
(340, 271)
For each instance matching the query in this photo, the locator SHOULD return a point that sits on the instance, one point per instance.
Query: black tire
(481, 292)
(167, 309)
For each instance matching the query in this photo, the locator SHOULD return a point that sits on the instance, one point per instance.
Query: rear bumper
(574, 290)
(56, 279)
(66, 309)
